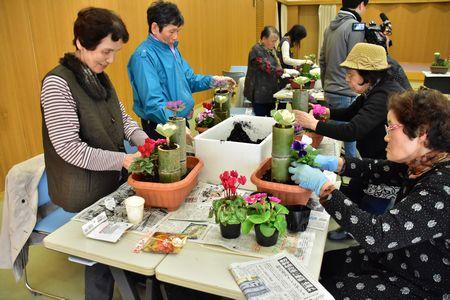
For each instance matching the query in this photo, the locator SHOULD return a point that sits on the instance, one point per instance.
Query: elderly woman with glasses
(404, 252)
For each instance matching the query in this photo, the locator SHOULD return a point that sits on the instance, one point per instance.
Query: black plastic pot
(264, 241)
(298, 217)
(230, 231)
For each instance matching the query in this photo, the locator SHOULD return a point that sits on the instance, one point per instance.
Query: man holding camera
(345, 31)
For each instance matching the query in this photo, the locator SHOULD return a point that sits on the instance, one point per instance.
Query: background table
(440, 82)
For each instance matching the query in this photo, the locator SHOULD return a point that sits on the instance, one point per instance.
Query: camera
(376, 34)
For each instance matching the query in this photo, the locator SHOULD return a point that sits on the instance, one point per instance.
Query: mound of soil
(239, 135)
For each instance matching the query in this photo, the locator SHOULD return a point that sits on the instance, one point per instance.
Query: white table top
(286, 94)
(70, 239)
(201, 268)
(429, 74)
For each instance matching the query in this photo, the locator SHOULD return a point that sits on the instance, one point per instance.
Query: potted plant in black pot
(231, 210)
(267, 216)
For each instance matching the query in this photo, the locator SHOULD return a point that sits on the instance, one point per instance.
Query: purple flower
(300, 147)
(319, 110)
(275, 199)
(297, 128)
(175, 105)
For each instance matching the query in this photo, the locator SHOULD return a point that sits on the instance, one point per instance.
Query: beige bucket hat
(367, 57)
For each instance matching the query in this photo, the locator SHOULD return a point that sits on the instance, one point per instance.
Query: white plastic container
(220, 155)
(135, 209)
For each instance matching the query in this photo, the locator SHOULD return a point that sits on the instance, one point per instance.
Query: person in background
(364, 122)
(344, 32)
(404, 252)
(290, 40)
(158, 73)
(263, 74)
(84, 126)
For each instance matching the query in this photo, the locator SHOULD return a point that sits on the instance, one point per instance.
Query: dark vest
(101, 126)
(280, 55)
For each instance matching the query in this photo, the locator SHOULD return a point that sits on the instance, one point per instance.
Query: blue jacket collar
(153, 41)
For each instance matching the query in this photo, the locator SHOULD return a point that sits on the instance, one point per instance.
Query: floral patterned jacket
(263, 73)
(411, 241)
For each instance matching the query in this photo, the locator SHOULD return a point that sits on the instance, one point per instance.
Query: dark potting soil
(156, 177)
(267, 176)
(239, 135)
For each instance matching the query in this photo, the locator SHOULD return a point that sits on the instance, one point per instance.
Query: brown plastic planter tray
(289, 194)
(168, 195)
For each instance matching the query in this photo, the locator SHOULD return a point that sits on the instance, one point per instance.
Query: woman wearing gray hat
(365, 119)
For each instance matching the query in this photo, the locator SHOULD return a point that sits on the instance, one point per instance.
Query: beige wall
(34, 34)
(419, 29)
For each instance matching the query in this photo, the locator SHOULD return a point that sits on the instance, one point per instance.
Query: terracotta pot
(201, 129)
(230, 231)
(263, 240)
(289, 194)
(168, 195)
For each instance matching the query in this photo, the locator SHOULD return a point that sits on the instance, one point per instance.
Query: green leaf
(266, 230)
(258, 219)
(247, 226)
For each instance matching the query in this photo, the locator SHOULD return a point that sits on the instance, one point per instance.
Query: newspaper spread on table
(116, 212)
(280, 276)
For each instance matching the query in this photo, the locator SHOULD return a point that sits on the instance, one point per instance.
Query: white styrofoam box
(219, 155)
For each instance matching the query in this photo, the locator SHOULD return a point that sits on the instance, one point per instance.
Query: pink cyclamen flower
(274, 199)
(242, 180)
(250, 199)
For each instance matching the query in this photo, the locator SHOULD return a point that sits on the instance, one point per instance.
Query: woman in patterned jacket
(404, 252)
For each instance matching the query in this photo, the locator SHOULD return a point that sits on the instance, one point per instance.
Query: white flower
(381, 287)
(354, 219)
(423, 193)
(284, 117)
(315, 72)
(431, 223)
(437, 277)
(437, 235)
(339, 284)
(360, 286)
(338, 215)
(370, 240)
(394, 211)
(446, 188)
(439, 205)
(424, 257)
(416, 240)
(386, 227)
(166, 130)
(416, 207)
(404, 290)
(301, 80)
(220, 99)
(347, 202)
(409, 225)
(392, 245)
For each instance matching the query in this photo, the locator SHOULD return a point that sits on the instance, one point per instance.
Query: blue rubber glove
(327, 162)
(307, 177)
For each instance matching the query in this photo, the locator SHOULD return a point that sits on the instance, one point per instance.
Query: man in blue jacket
(158, 73)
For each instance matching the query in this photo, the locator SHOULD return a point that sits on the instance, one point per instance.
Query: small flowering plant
(166, 130)
(231, 209)
(315, 73)
(299, 81)
(175, 107)
(206, 117)
(267, 212)
(320, 112)
(284, 118)
(147, 164)
(303, 153)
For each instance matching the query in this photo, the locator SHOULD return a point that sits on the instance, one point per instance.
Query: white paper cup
(135, 209)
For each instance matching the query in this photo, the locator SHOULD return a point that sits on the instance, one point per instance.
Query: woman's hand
(219, 81)
(128, 159)
(305, 120)
(308, 177)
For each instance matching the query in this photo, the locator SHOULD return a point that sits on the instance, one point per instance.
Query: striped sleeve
(60, 115)
(132, 130)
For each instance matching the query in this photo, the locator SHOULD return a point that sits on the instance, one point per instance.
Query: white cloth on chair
(20, 206)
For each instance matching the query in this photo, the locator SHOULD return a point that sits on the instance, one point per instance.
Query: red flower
(234, 173)
(207, 105)
(230, 182)
(242, 180)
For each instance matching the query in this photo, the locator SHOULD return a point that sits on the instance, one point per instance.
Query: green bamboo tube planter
(179, 138)
(169, 164)
(300, 100)
(219, 115)
(222, 112)
(281, 153)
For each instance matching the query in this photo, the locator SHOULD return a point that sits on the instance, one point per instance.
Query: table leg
(163, 291)
(125, 285)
